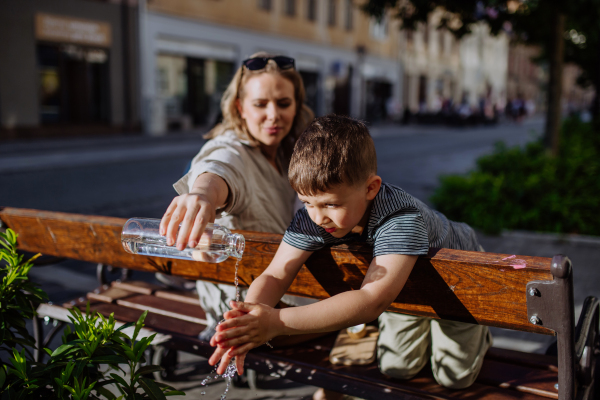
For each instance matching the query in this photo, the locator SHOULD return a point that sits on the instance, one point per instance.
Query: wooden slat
(137, 286)
(457, 285)
(182, 297)
(156, 322)
(309, 363)
(518, 377)
(168, 308)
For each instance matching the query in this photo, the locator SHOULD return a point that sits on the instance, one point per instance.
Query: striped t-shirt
(398, 224)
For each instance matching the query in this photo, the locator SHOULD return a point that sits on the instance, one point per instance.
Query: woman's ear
(373, 186)
(238, 105)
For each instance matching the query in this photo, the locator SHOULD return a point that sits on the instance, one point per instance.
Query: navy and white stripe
(398, 224)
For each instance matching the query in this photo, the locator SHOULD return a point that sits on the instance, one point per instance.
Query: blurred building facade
(443, 73)
(526, 79)
(67, 64)
(191, 48)
(164, 64)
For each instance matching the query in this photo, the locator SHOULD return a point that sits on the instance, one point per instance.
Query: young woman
(239, 177)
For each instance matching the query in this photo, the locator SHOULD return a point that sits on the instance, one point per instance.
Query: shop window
(73, 84)
(290, 8)
(311, 10)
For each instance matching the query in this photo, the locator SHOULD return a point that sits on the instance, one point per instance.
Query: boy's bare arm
(382, 284)
(272, 284)
(266, 290)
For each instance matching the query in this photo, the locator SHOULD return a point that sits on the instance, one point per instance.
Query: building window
(379, 28)
(442, 40)
(264, 5)
(311, 10)
(331, 9)
(290, 8)
(349, 23)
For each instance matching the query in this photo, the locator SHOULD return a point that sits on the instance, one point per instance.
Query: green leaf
(152, 389)
(127, 325)
(148, 369)
(2, 376)
(108, 359)
(119, 380)
(62, 349)
(139, 324)
(175, 393)
(102, 391)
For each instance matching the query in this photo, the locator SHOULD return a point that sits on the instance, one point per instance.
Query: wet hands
(246, 326)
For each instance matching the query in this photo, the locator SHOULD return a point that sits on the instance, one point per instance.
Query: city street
(131, 176)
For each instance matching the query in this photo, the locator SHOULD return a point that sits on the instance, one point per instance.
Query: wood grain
(450, 284)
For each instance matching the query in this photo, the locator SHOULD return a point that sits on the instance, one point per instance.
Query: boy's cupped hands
(246, 326)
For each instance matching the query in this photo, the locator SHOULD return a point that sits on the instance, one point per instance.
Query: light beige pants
(456, 349)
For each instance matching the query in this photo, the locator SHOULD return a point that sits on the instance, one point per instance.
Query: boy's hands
(245, 327)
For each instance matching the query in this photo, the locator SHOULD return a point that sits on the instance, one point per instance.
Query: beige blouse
(260, 199)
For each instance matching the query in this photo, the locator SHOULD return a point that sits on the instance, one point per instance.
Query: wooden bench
(482, 288)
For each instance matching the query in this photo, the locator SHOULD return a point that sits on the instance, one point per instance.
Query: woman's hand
(193, 211)
(245, 327)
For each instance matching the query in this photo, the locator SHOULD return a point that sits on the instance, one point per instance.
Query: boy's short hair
(332, 150)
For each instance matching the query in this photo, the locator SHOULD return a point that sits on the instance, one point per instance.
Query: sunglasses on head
(256, 63)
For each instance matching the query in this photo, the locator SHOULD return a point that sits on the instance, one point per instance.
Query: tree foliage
(547, 24)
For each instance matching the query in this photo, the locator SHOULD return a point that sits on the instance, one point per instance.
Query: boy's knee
(449, 378)
(456, 363)
(398, 372)
(396, 367)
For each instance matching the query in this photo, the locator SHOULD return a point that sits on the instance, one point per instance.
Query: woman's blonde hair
(232, 120)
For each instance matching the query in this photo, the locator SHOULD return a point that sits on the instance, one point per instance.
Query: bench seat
(178, 319)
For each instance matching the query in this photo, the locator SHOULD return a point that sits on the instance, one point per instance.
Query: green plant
(526, 188)
(88, 361)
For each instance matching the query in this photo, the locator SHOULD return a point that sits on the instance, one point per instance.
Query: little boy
(333, 170)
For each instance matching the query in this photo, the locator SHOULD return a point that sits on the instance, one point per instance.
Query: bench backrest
(485, 288)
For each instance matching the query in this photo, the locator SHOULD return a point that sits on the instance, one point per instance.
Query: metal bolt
(535, 320)
(533, 292)
(556, 386)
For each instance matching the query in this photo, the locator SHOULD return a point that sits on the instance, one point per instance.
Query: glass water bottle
(217, 243)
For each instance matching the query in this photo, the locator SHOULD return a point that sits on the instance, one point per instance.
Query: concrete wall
(18, 66)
